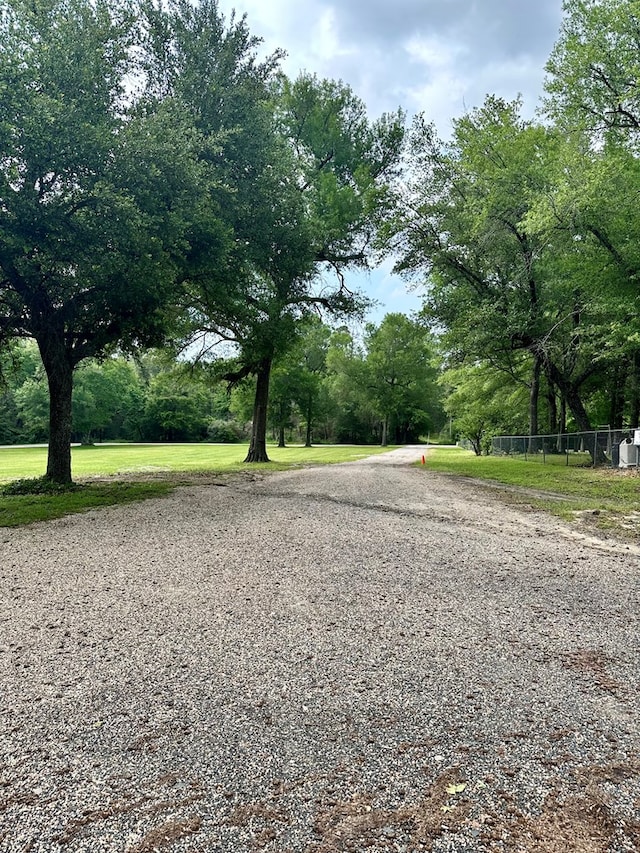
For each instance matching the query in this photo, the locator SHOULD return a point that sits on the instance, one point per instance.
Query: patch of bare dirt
(593, 664)
(357, 824)
(580, 824)
(166, 834)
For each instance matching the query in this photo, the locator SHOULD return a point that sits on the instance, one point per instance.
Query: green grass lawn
(113, 459)
(610, 490)
(168, 465)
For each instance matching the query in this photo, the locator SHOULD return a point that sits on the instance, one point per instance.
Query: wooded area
(160, 186)
(527, 232)
(328, 388)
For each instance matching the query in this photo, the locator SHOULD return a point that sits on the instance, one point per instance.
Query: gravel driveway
(361, 657)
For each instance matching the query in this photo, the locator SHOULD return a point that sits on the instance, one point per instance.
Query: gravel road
(361, 657)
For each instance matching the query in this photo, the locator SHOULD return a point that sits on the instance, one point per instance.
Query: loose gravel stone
(357, 657)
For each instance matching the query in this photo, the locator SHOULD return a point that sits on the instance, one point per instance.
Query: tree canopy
(95, 191)
(159, 181)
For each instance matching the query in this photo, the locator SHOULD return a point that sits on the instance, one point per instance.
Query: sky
(437, 57)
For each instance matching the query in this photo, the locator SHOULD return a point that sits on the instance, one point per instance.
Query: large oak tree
(95, 188)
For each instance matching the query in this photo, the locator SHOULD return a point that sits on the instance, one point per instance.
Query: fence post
(595, 448)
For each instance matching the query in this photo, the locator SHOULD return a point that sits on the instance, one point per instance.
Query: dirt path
(362, 657)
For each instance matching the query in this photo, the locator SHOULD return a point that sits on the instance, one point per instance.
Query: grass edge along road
(109, 474)
(610, 497)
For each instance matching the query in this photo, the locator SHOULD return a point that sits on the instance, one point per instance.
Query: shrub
(227, 432)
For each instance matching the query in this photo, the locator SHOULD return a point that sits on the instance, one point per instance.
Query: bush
(227, 432)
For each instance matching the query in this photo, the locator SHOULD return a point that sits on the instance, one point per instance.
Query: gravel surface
(361, 657)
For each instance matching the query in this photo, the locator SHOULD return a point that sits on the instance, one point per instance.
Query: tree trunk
(616, 400)
(281, 442)
(571, 394)
(258, 446)
(59, 370)
(634, 413)
(553, 410)
(533, 400)
(562, 423)
(307, 442)
(385, 430)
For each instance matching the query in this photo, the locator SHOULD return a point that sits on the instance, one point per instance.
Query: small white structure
(629, 451)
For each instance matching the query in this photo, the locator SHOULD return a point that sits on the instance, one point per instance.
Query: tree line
(330, 387)
(527, 232)
(160, 185)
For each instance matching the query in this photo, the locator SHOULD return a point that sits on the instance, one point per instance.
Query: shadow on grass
(25, 508)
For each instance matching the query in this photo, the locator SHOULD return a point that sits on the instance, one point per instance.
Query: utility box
(628, 453)
(636, 437)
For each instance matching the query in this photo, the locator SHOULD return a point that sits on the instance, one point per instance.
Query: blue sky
(439, 57)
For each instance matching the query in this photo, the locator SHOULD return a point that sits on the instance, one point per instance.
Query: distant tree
(176, 409)
(401, 377)
(481, 404)
(17, 364)
(356, 418)
(32, 405)
(104, 395)
(296, 382)
(283, 390)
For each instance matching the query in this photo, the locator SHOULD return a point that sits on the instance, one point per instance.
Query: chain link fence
(603, 446)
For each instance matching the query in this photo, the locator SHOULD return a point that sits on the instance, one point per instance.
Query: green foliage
(346, 164)
(400, 372)
(481, 404)
(296, 389)
(176, 409)
(355, 417)
(104, 396)
(99, 189)
(593, 72)
(32, 409)
(528, 240)
(225, 431)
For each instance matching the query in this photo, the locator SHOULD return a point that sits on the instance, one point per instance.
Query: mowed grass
(16, 510)
(560, 489)
(139, 471)
(113, 459)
